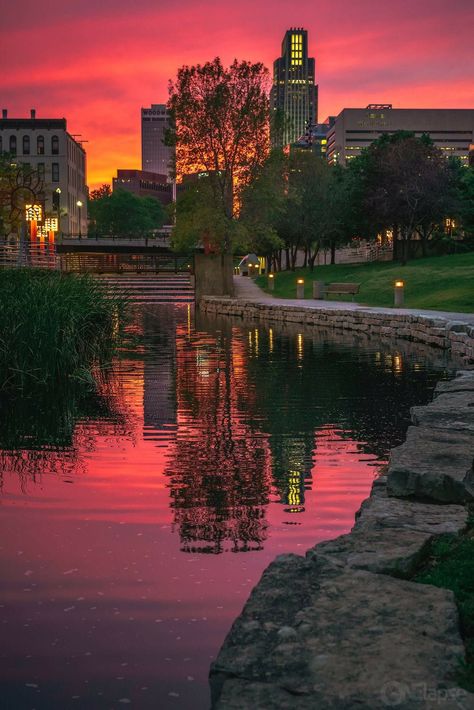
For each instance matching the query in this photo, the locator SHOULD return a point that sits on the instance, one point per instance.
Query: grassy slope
(439, 283)
(452, 566)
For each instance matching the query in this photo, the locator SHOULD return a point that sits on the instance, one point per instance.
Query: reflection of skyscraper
(294, 96)
(159, 394)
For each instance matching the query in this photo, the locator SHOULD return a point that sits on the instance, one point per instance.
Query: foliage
(221, 128)
(199, 222)
(464, 206)
(52, 327)
(102, 191)
(122, 213)
(19, 185)
(404, 184)
(451, 566)
(264, 203)
(439, 283)
(295, 202)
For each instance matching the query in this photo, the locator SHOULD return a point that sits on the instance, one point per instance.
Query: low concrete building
(45, 146)
(144, 184)
(354, 129)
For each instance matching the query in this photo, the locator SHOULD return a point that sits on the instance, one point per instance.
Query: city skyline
(90, 67)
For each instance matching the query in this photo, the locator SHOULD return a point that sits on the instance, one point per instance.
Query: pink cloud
(98, 64)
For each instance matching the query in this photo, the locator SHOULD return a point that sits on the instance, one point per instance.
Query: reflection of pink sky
(103, 574)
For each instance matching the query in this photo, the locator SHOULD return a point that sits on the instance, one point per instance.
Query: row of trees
(248, 198)
(123, 214)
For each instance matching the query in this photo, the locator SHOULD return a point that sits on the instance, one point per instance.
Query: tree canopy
(220, 119)
(122, 213)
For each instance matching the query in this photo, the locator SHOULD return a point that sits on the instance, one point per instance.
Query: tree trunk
(305, 262)
(288, 260)
(333, 251)
(395, 242)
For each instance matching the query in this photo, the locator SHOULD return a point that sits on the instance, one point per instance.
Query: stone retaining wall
(455, 337)
(344, 627)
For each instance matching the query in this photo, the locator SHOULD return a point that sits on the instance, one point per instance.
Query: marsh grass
(53, 328)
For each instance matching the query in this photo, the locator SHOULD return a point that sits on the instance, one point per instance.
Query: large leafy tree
(220, 118)
(124, 214)
(405, 184)
(19, 185)
(264, 206)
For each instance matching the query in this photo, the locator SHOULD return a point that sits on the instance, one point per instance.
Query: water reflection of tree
(309, 380)
(252, 405)
(219, 473)
(38, 433)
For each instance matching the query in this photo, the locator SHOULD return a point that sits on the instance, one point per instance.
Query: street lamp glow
(79, 203)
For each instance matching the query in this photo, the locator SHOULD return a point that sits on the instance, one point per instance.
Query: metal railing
(128, 263)
(35, 255)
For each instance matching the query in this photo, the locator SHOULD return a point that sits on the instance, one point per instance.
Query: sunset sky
(98, 63)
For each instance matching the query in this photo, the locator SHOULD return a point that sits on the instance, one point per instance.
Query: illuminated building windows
(40, 145)
(13, 145)
(55, 145)
(26, 145)
(55, 172)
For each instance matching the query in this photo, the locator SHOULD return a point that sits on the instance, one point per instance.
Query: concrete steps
(150, 288)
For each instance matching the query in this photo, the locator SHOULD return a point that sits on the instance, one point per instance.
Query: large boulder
(391, 535)
(433, 464)
(312, 636)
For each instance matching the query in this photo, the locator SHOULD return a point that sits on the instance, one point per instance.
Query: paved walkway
(247, 289)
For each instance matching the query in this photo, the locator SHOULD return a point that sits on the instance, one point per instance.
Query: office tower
(45, 146)
(156, 156)
(451, 130)
(294, 96)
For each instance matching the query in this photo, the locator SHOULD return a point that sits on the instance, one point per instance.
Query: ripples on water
(135, 522)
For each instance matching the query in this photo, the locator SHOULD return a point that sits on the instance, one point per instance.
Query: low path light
(399, 293)
(300, 288)
(271, 282)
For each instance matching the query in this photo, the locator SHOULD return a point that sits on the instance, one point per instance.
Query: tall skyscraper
(156, 156)
(294, 96)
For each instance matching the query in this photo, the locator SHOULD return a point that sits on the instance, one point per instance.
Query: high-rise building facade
(451, 130)
(156, 156)
(45, 146)
(294, 95)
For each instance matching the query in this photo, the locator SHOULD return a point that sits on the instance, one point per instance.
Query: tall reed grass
(53, 327)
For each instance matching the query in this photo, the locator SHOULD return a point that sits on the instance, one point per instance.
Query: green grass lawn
(444, 283)
(451, 565)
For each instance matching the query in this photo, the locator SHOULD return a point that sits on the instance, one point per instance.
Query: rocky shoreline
(453, 336)
(344, 627)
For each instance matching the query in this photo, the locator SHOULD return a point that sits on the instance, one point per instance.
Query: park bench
(343, 289)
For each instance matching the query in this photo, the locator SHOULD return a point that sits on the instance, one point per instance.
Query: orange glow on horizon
(404, 54)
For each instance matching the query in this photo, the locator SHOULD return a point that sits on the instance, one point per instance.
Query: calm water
(135, 523)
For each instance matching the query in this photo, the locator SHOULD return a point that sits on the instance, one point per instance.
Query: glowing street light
(399, 294)
(300, 288)
(79, 205)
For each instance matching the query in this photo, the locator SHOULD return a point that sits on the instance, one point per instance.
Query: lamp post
(271, 282)
(300, 288)
(79, 205)
(398, 294)
(57, 206)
